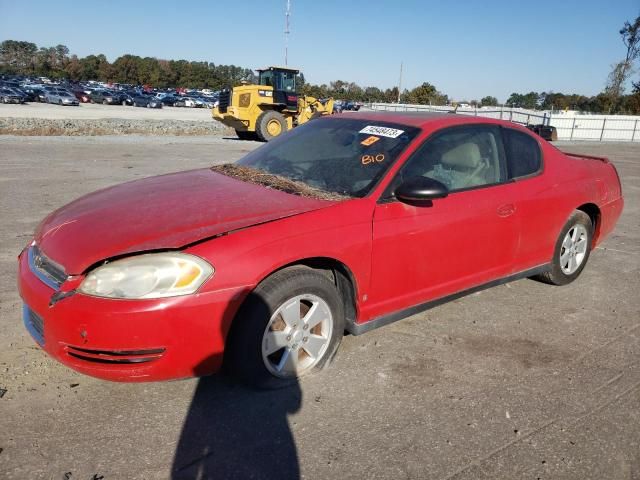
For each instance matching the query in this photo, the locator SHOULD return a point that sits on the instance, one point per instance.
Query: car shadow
(234, 432)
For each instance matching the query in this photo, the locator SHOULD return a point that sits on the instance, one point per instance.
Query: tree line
(25, 58)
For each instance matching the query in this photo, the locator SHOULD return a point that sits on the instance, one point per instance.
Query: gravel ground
(520, 381)
(33, 119)
(96, 111)
(108, 126)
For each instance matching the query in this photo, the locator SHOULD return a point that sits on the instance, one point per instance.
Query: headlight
(153, 275)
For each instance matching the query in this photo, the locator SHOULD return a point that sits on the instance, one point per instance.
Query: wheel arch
(338, 272)
(594, 213)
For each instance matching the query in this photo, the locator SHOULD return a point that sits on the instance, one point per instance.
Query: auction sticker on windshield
(382, 131)
(369, 140)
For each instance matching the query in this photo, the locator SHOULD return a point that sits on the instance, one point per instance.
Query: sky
(466, 48)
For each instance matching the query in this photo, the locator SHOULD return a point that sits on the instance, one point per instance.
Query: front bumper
(129, 340)
(230, 120)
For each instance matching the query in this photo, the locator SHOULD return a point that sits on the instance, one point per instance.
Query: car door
(539, 201)
(421, 253)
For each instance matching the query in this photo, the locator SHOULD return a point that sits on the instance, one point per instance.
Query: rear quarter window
(523, 154)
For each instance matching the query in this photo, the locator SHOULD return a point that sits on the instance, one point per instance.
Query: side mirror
(420, 191)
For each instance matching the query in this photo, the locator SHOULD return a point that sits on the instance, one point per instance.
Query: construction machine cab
(280, 78)
(283, 82)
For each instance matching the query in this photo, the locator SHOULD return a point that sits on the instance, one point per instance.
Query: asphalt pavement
(521, 381)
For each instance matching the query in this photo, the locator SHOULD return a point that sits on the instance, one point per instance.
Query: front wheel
(290, 326)
(571, 251)
(270, 124)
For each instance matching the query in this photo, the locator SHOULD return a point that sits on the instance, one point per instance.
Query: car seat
(461, 167)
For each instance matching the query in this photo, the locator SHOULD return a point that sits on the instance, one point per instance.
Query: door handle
(506, 210)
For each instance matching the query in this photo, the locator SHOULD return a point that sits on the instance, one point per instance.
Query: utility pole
(286, 33)
(400, 83)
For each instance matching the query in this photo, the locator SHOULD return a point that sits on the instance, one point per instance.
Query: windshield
(344, 156)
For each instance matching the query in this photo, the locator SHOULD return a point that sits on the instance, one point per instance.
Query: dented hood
(168, 211)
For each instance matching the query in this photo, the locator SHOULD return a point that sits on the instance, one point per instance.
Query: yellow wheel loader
(270, 108)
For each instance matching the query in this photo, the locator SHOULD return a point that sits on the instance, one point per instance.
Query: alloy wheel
(297, 336)
(574, 249)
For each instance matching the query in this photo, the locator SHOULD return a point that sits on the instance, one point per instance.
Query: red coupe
(346, 223)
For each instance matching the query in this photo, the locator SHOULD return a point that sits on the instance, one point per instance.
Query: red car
(344, 224)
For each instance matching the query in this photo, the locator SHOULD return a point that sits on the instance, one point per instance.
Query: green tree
(17, 56)
(620, 71)
(489, 101)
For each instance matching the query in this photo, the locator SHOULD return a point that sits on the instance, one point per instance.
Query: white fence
(617, 128)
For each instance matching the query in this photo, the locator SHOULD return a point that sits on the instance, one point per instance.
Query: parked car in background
(352, 106)
(61, 97)
(82, 95)
(106, 97)
(548, 132)
(179, 101)
(146, 101)
(18, 90)
(193, 102)
(388, 215)
(169, 100)
(127, 98)
(34, 94)
(8, 95)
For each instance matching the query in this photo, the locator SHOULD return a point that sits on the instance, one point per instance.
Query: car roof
(423, 119)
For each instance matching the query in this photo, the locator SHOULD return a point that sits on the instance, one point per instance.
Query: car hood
(164, 212)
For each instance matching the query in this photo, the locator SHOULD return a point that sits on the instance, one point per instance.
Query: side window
(459, 157)
(523, 153)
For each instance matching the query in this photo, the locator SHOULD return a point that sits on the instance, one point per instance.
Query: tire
(270, 124)
(571, 252)
(246, 135)
(259, 323)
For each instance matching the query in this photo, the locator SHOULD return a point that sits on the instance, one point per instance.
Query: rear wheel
(270, 124)
(290, 326)
(571, 251)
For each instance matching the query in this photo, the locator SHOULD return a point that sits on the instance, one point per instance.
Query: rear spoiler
(590, 157)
